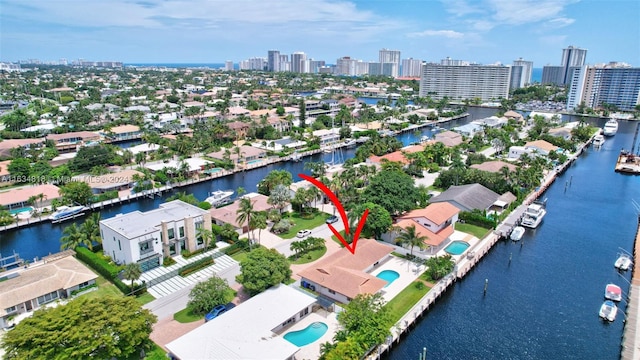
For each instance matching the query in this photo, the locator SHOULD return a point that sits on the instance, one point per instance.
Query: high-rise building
(315, 65)
(285, 64)
(411, 67)
(273, 60)
(453, 62)
(614, 84)
(486, 82)
(552, 74)
(298, 60)
(390, 57)
(228, 65)
(525, 71)
(572, 58)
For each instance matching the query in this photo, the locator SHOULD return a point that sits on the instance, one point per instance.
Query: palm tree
(297, 246)
(408, 236)
(74, 237)
(245, 212)
(131, 272)
(91, 228)
(206, 235)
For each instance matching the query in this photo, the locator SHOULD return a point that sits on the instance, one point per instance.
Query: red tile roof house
(435, 222)
(19, 198)
(228, 214)
(342, 276)
(494, 166)
(239, 128)
(69, 142)
(247, 153)
(7, 145)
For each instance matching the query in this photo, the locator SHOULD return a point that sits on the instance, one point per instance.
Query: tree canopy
(99, 328)
(76, 192)
(393, 190)
(273, 179)
(262, 269)
(378, 220)
(208, 294)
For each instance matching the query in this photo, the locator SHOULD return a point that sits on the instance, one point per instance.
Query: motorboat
(517, 233)
(296, 156)
(219, 197)
(350, 143)
(613, 292)
(65, 212)
(608, 310)
(623, 262)
(533, 215)
(598, 140)
(424, 138)
(610, 127)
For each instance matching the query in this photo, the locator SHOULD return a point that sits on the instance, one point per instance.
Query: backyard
(314, 220)
(474, 230)
(408, 297)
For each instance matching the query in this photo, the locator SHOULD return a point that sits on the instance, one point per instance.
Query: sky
(212, 31)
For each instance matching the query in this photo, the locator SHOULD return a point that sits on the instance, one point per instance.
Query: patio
(408, 271)
(312, 351)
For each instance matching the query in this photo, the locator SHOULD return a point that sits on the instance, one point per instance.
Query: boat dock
(630, 347)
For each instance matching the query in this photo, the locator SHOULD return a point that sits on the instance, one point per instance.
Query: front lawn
(240, 255)
(405, 300)
(145, 298)
(186, 316)
(308, 257)
(314, 220)
(105, 288)
(474, 230)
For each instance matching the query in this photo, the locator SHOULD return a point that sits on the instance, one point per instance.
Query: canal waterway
(544, 292)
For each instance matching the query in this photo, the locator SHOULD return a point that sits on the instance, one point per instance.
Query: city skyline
(201, 31)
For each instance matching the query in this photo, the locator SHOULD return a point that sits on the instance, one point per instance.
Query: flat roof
(245, 332)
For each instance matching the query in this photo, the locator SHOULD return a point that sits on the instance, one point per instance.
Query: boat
(350, 143)
(66, 212)
(219, 197)
(424, 138)
(608, 310)
(517, 233)
(613, 292)
(533, 215)
(623, 262)
(610, 127)
(296, 156)
(598, 140)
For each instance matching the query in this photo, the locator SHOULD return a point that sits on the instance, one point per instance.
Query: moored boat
(65, 212)
(610, 127)
(613, 292)
(219, 197)
(598, 140)
(608, 310)
(623, 262)
(533, 215)
(517, 233)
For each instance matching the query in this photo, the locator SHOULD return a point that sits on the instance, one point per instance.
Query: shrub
(478, 218)
(236, 247)
(195, 266)
(74, 292)
(204, 205)
(282, 226)
(168, 261)
(98, 263)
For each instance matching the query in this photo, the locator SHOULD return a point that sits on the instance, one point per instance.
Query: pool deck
(312, 351)
(407, 270)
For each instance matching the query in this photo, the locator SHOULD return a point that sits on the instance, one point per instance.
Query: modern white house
(146, 238)
(249, 331)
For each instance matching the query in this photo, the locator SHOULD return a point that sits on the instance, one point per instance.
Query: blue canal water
(543, 304)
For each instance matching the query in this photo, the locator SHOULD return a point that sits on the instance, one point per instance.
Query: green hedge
(235, 248)
(477, 218)
(195, 266)
(98, 263)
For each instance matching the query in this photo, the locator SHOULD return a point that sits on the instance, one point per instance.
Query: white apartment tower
(298, 62)
(525, 72)
(411, 67)
(228, 65)
(572, 58)
(459, 82)
(273, 61)
(393, 57)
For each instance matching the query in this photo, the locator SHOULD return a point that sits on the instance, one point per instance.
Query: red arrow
(334, 199)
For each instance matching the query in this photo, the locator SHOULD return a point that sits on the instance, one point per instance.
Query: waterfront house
(116, 181)
(512, 115)
(228, 214)
(191, 166)
(435, 222)
(72, 141)
(280, 125)
(467, 197)
(327, 136)
(7, 145)
(562, 132)
(448, 138)
(494, 166)
(342, 276)
(26, 289)
(469, 130)
(19, 198)
(146, 238)
(239, 128)
(5, 175)
(540, 147)
(247, 153)
(250, 331)
(396, 156)
(123, 133)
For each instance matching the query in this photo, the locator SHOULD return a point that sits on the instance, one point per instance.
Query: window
(119, 245)
(332, 292)
(9, 310)
(47, 297)
(83, 285)
(181, 231)
(171, 233)
(146, 247)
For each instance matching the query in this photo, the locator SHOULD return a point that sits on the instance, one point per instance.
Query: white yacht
(219, 197)
(598, 140)
(623, 262)
(65, 212)
(608, 310)
(613, 292)
(533, 215)
(517, 233)
(610, 127)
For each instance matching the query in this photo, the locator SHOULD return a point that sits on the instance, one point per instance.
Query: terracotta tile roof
(14, 143)
(229, 213)
(76, 134)
(394, 156)
(438, 213)
(23, 194)
(124, 129)
(413, 149)
(494, 166)
(343, 272)
(4, 167)
(433, 239)
(541, 144)
(237, 125)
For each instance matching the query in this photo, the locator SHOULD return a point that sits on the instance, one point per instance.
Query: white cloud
(560, 22)
(450, 34)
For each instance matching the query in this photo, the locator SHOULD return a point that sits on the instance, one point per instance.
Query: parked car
(332, 219)
(215, 312)
(303, 233)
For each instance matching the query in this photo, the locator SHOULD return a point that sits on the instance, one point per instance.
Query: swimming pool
(389, 276)
(213, 170)
(254, 162)
(20, 210)
(457, 247)
(306, 336)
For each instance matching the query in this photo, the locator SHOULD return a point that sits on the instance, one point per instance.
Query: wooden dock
(630, 347)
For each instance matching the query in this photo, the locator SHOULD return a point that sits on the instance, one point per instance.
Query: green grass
(474, 230)
(408, 297)
(301, 223)
(145, 298)
(240, 255)
(105, 288)
(290, 281)
(186, 316)
(312, 255)
(155, 353)
(335, 238)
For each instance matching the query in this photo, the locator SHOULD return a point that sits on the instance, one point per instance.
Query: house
(192, 166)
(512, 115)
(494, 166)
(146, 238)
(493, 122)
(239, 128)
(327, 136)
(124, 132)
(72, 141)
(540, 147)
(27, 289)
(396, 156)
(467, 197)
(228, 214)
(470, 129)
(280, 125)
(19, 198)
(247, 154)
(435, 222)
(117, 181)
(7, 145)
(449, 138)
(250, 331)
(562, 132)
(342, 276)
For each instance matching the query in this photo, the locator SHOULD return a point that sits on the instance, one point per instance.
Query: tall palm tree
(245, 212)
(74, 237)
(206, 235)
(91, 228)
(408, 236)
(131, 272)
